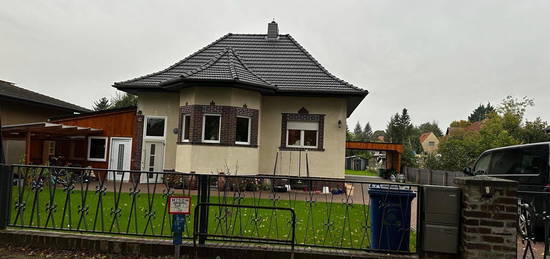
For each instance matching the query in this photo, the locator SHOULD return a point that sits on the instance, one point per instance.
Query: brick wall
(228, 120)
(137, 143)
(489, 217)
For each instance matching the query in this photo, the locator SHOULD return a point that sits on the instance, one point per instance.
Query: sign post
(179, 207)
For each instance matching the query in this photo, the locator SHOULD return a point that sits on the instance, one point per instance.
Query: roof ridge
(74, 106)
(234, 74)
(321, 66)
(250, 70)
(204, 66)
(177, 63)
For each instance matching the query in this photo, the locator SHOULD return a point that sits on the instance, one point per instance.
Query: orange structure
(393, 151)
(102, 139)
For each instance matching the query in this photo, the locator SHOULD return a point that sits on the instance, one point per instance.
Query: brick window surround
(303, 115)
(228, 124)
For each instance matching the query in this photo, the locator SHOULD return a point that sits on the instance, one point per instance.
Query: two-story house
(242, 104)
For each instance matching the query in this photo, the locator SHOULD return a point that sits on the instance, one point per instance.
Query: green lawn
(326, 221)
(366, 172)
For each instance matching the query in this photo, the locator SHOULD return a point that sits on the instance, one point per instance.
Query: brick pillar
(489, 217)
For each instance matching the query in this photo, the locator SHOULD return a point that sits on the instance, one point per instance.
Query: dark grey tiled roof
(226, 66)
(283, 64)
(9, 90)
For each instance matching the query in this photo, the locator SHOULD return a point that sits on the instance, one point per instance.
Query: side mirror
(468, 170)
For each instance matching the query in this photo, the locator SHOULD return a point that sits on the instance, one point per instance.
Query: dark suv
(528, 164)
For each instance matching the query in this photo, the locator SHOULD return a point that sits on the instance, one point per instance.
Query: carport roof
(48, 128)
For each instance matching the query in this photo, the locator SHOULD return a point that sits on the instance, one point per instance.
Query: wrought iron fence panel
(95, 200)
(534, 221)
(326, 213)
(339, 217)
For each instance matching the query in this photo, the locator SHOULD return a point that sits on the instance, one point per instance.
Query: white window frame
(219, 128)
(147, 117)
(302, 135)
(104, 159)
(183, 128)
(249, 131)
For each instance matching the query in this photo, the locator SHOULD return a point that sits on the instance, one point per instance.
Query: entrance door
(121, 149)
(154, 161)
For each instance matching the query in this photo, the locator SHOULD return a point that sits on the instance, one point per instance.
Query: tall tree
(367, 132)
(400, 129)
(123, 100)
(357, 132)
(430, 127)
(534, 131)
(481, 112)
(101, 104)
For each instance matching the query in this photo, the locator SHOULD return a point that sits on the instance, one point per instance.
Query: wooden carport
(393, 151)
(44, 131)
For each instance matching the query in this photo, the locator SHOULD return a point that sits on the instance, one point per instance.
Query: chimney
(272, 31)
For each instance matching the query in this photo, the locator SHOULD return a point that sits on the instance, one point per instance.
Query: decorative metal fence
(279, 210)
(534, 221)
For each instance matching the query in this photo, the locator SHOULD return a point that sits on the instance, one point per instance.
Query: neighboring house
(18, 105)
(429, 142)
(474, 127)
(232, 105)
(356, 163)
(102, 139)
(547, 130)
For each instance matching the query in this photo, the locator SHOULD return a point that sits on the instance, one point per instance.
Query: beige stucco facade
(430, 144)
(259, 159)
(327, 163)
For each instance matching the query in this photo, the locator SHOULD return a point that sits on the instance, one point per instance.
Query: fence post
(204, 197)
(5, 186)
(430, 176)
(418, 176)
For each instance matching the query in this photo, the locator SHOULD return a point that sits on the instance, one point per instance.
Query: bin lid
(391, 189)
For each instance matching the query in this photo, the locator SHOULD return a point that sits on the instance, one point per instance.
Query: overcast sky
(440, 59)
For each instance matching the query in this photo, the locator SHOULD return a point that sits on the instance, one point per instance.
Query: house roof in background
(474, 127)
(9, 90)
(424, 136)
(281, 63)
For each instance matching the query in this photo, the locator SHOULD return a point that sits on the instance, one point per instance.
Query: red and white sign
(179, 205)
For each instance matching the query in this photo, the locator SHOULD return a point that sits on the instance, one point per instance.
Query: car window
(506, 162)
(482, 165)
(534, 160)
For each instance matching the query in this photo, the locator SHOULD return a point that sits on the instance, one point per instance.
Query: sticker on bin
(388, 186)
(179, 205)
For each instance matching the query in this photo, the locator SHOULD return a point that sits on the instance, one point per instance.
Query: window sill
(216, 144)
(300, 149)
(97, 160)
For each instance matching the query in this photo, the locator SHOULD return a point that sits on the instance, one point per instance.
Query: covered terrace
(40, 142)
(393, 151)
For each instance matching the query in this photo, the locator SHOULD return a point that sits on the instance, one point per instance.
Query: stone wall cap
(484, 180)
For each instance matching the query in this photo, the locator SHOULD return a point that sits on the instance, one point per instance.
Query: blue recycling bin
(390, 215)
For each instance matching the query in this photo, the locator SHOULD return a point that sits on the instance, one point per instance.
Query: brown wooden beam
(358, 145)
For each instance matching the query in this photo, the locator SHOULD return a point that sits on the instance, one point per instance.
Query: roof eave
(74, 109)
(187, 82)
